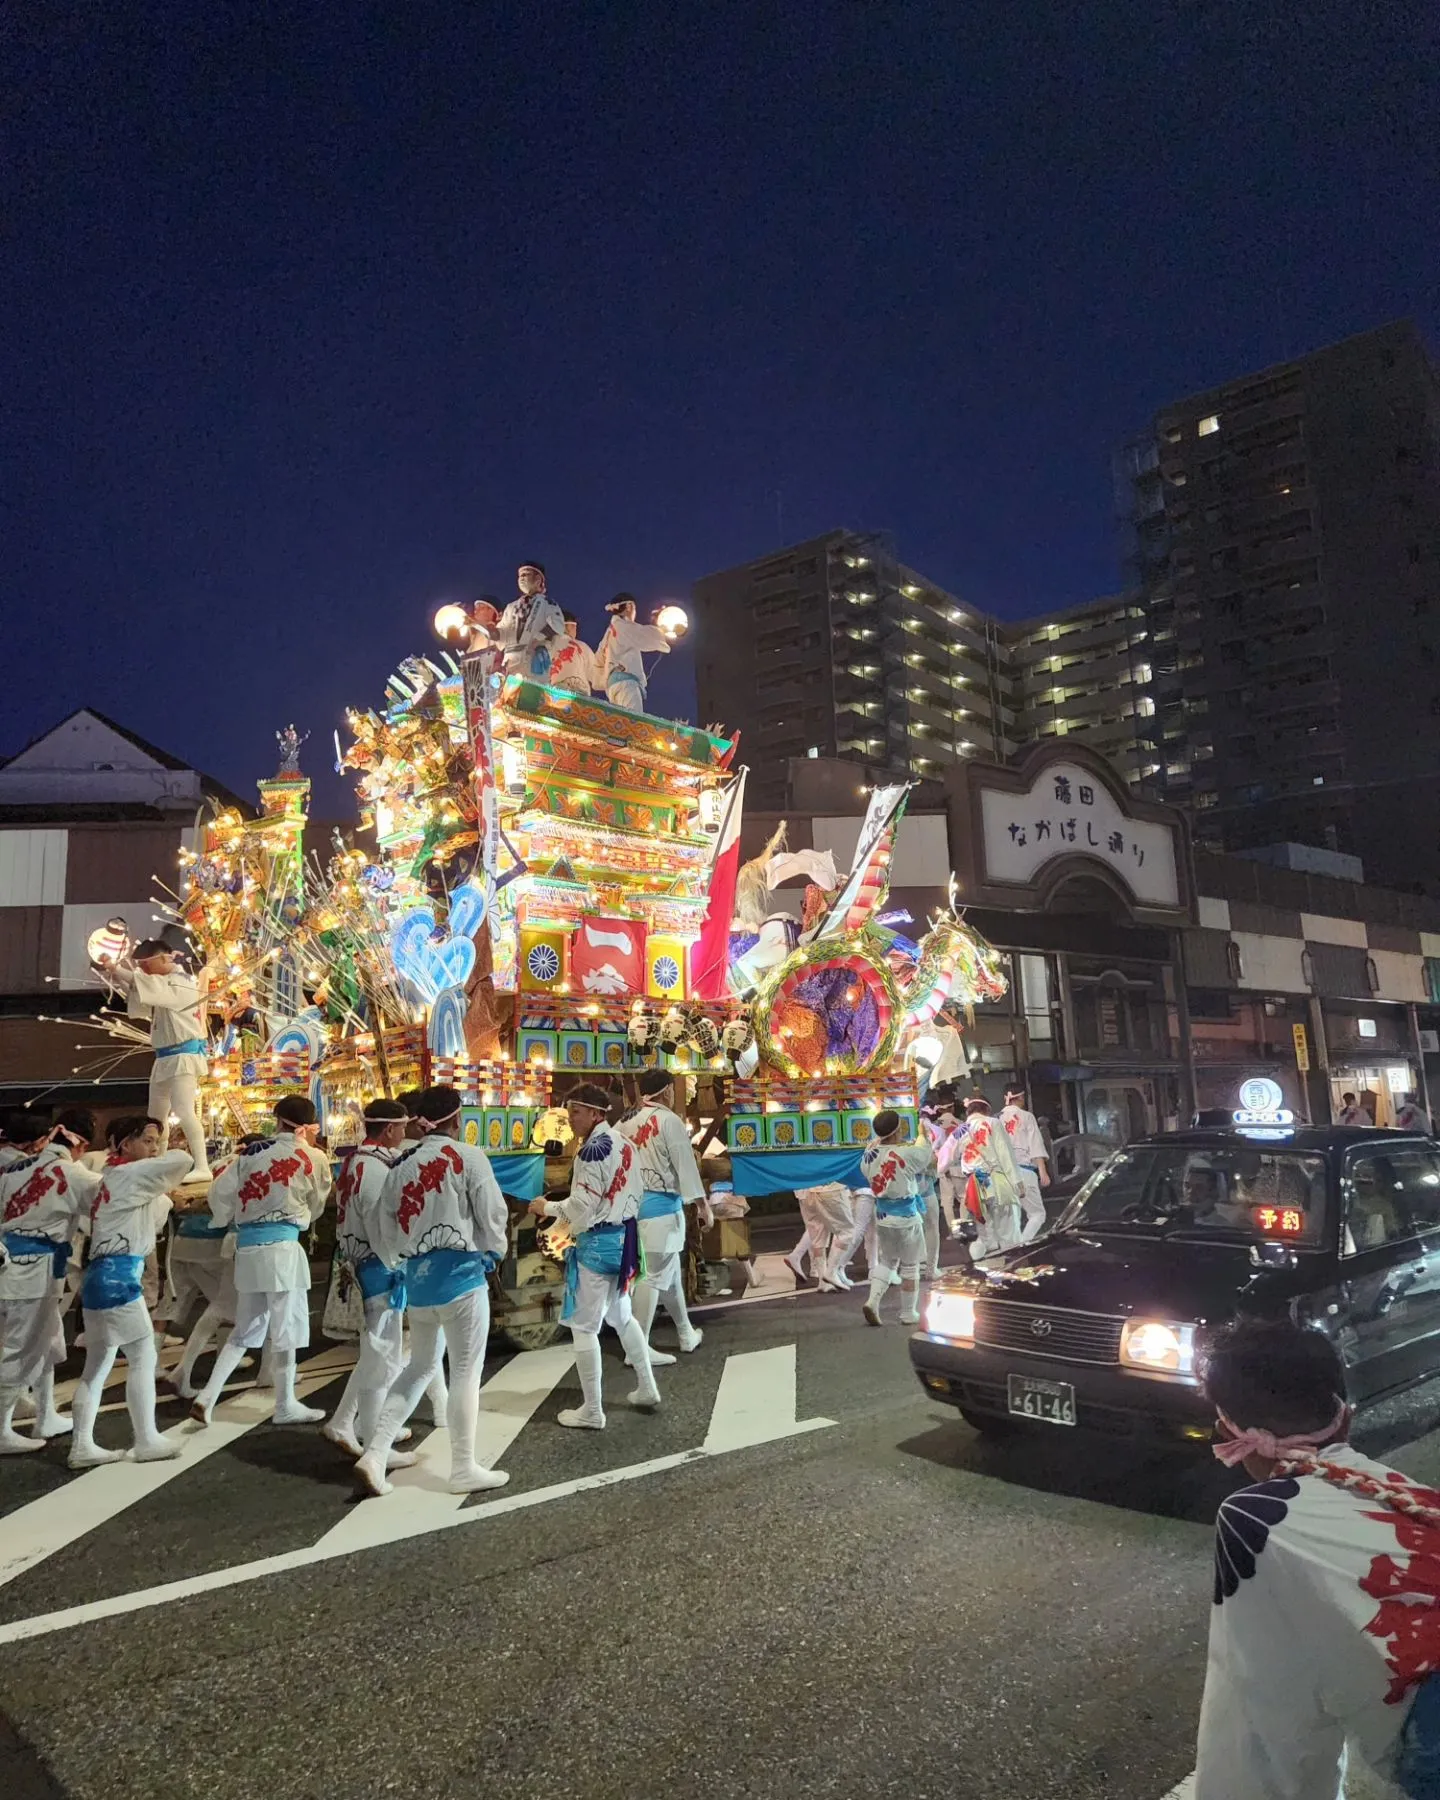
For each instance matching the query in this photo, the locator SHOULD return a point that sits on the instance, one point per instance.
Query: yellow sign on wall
(1302, 1049)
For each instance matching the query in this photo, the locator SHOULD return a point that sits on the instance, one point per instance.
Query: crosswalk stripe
(508, 1401)
(34, 1532)
(738, 1421)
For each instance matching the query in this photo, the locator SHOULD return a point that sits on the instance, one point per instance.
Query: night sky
(316, 315)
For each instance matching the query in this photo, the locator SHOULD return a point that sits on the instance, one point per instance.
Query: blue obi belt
(913, 1208)
(17, 1243)
(440, 1276)
(272, 1231)
(198, 1225)
(112, 1281)
(659, 1205)
(190, 1047)
(604, 1250)
(377, 1281)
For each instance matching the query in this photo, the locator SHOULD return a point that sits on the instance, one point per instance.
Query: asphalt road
(883, 1603)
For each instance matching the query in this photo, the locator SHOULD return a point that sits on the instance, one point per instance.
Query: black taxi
(1097, 1324)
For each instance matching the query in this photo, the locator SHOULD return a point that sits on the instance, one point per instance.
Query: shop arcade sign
(1037, 825)
(1262, 1112)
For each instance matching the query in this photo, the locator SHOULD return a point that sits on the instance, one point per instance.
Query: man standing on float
(531, 628)
(159, 990)
(620, 658)
(604, 1259)
(443, 1225)
(670, 1180)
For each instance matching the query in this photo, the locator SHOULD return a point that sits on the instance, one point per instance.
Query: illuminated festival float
(546, 889)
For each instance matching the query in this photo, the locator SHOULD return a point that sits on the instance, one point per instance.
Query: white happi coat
(898, 1175)
(667, 1165)
(604, 1183)
(440, 1194)
(43, 1196)
(1325, 1625)
(277, 1180)
(573, 667)
(133, 1202)
(1023, 1130)
(173, 1005)
(530, 631)
(624, 647)
(359, 1201)
(985, 1157)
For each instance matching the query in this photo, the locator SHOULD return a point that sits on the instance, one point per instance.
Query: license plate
(1032, 1398)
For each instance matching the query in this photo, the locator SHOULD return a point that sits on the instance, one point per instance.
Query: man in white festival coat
(669, 1181)
(272, 1192)
(131, 1205)
(898, 1175)
(359, 1199)
(1023, 1130)
(159, 991)
(44, 1196)
(601, 1215)
(442, 1222)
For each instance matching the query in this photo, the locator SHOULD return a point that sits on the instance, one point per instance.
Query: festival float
(545, 889)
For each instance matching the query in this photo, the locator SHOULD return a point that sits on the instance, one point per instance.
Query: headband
(432, 1123)
(1258, 1442)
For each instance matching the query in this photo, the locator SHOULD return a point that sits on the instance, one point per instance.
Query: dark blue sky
(314, 314)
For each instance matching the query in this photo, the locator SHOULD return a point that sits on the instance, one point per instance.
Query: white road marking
(764, 1423)
(421, 1501)
(756, 1401)
(34, 1532)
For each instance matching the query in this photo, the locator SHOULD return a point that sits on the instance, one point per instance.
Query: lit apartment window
(1208, 425)
(1146, 708)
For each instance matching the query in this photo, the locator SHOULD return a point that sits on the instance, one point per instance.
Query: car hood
(1125, 1276)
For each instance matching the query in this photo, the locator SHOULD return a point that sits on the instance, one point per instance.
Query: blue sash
(913, 1208)
(274, 1231)
(659, 1205)
(190, 1047)
(604, 1250)
(376, 1280)
(18, 1244)
(440, 1276)
(198, 1225)
(112, 1281)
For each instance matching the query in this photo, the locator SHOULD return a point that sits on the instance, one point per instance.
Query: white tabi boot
(637, 1353)
(590, 1415)
(642, 1308)
(148, 1445)
(288, 1410)
(49, 1422)
(11, 1442)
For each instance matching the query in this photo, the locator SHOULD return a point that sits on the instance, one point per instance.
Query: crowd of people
(420, 1225)
(981, 1173)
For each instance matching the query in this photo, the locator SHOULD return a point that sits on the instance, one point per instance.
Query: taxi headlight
(951, 1316)
(1154, 1344)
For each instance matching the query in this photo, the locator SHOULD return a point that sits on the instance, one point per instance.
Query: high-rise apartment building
(1085, 674)
(836, 648)
(1284, 548)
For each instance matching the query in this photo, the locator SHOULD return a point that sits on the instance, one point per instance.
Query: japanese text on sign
(1067, 811)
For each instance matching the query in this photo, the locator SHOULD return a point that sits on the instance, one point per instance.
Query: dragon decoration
(835, 995)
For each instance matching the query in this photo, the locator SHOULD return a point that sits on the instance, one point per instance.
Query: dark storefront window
(1120, 1012)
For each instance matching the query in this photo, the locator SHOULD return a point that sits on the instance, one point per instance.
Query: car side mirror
(1273, 1256)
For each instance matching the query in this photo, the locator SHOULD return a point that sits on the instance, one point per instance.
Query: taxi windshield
(1278, 1194)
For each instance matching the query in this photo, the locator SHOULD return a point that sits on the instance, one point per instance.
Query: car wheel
(988, 1424)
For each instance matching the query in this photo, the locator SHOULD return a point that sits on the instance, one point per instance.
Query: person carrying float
(670, 1180)
(603, 1261)
(45, 1194)
(992, 1180)
(274, 1190)
(441, 1223)
(897, 1173)
(131, 1205)
(359, 1198)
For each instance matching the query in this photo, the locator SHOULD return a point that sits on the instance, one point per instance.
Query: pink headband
(1256, 1442)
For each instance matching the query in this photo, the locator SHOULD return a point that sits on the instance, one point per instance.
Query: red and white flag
(710, 954)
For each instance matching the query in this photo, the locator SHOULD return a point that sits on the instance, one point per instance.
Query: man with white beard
(274, 1190)
(1023, 1130)
(359, 1198)
(669, 1180)
(44, 1196)
(600, 1214)
(443, 1224)
(132, 1202)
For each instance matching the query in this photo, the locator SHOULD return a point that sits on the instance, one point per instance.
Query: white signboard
(1067, 812)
